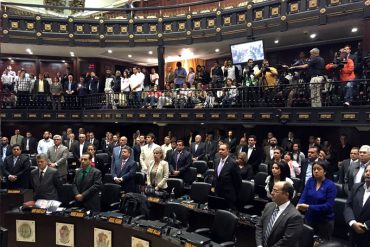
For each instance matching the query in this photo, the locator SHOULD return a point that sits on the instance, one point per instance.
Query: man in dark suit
(45, 181)
(210, 148)
(92, 83)
(70, 91)
(280, 224)
(70, 142)
(254, 154)
(231, 141)
(87, 184)
(228, 178)
(242, 146)
(307, 164)
(356, 172)
(269, 150)
(347, 163)
(5, 149)
(287, 143)
(93, 140)
(170, 152)
(357, 212)
(198, 149)
(80, 147)
(124, 169)
(16, 168)
(41, 90)
(29, 144)
(180, 161)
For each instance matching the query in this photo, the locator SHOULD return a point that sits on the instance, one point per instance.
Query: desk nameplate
(154, 231)
(77, 214)
(115, 220)
(38, 211)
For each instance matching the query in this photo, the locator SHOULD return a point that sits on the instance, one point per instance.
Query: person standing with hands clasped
(317, 201)
(357, 212)
(280, 224)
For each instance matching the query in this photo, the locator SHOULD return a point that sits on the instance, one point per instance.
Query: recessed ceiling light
(217, 50)
(72, 54)
(12, 61)
(129, 55)
(150, 52)
(355, 29)
(28, 50)
(9, 58)
(276, 41)
(63, 61)
(110, 51)
(312, 36)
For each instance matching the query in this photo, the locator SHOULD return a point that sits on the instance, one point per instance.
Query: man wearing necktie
(347, 164)
(180, 161)
(228, 178)
(124, 171)
(16, 168)
(5, 149)
(356, 172)
(280, 224)
(197, 149)
(87, 184)
(58, 155)
(357, 212)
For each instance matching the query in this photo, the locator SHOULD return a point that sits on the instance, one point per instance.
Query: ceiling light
(63, 61)
(355, 29)
(312, 36)
(28, 50)
(217, 50)
(129, 55)
(9, 58)
(110, 51)
(72, 54)
(276, 41)
(12, 61)
(150, 52)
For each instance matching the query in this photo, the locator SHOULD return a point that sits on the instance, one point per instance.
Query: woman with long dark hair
(278, 173)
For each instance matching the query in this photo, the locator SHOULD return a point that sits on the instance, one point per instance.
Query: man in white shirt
(44, 144)
(146, 155)
(282, 216)
(167, 145)
(137, 84)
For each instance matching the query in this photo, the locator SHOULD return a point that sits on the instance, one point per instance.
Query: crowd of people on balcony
(279, 159)
(308, 81)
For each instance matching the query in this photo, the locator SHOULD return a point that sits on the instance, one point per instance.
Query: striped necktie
(270, 225)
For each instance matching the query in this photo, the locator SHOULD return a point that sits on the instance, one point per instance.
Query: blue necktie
(270, 225)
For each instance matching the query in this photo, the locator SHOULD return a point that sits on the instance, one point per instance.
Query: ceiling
(330, 33)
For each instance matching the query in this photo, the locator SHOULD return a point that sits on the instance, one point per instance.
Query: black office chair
(177, 185)
(259, 187)
(108, 178)
(104, 157)
(140, 180)
(297, 184)
(341, 229)
(246, 195)
(190, 176)
(199, 192)
(306, 237)
(110, 197)
(66, 195)
(209, 176)
(223, 228)
(263, 168)
(201, 166)
(176, 215)
(340, 191)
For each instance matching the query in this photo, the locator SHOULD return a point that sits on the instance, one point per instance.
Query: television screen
(244, 51)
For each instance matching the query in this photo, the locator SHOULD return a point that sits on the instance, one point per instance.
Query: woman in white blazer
(158, 171)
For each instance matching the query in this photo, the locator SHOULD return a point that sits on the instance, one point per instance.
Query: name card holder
(38, 211)
(77, 214)
(115, 220)
(187, 244)
(153, 199)
(189, 205)
(14, 191)
(154, 231)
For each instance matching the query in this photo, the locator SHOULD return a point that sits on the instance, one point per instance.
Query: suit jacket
(95, 143)
(70, 147)
(285, 231)
(92, 85)
(146, 156)
(7, 152)
(183, 164)
(36, 87)
(60, 158)
(349, 177)
(255, 159)
(247, 172)
(32, 145)
(287, 144)
(361, 213)
(266, 152)
(73, 87)
(229, 180)
(89, 187)
(304, 165)
(201, 151)
(232, 144)
(99, 164)
(161, 175)
(210, 150)
(344, 166)
(76, 150)
(127, 174)
(14, 140)
(137, 152)
(50, 186)
(21, 169)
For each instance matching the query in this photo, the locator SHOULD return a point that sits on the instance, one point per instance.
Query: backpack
(134, 204)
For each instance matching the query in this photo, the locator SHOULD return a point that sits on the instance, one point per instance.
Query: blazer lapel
(281, 217)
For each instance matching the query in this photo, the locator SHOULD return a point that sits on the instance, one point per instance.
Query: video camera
(340, 59)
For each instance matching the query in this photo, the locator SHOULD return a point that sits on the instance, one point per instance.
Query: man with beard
(44, 144)
(269, 150)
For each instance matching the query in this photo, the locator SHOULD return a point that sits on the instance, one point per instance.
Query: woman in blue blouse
(317, 201)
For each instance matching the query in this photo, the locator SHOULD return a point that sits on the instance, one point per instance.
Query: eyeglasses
(276, 191)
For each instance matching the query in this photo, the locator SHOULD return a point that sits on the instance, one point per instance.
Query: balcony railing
(285, 95)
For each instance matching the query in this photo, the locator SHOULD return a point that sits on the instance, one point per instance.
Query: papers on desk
(49, 205)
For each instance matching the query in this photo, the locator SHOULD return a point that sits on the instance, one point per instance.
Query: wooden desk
(9, 201)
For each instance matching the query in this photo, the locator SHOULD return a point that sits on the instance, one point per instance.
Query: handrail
(114, 9)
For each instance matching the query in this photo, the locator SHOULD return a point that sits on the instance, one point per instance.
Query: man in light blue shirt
(180, 75)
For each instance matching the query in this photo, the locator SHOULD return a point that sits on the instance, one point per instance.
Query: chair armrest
(114, 205)
(228, 243)
(72, 203)
(140, 217)
(203, 231)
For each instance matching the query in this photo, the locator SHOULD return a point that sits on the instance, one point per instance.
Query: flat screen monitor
(244, 51)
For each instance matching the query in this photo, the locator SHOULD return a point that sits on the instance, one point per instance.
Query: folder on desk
(194, 238)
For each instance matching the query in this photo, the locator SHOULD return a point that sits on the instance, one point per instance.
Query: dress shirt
(221, 165)
(135, 80)
(196, 147)
(44, 145)
(42, 171)
(272, 152)
(4, 152)
(309, 170)
(360, 174)
(250, 150)
(366, 196)
(81, 148)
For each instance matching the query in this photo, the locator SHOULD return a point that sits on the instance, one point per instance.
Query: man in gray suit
(45, 180)
(58, 155)
(355, 172)
(280, 224)
(87, 184)
(347, 163)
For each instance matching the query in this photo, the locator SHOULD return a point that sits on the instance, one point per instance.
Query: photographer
(267, 79)
(344, 67)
